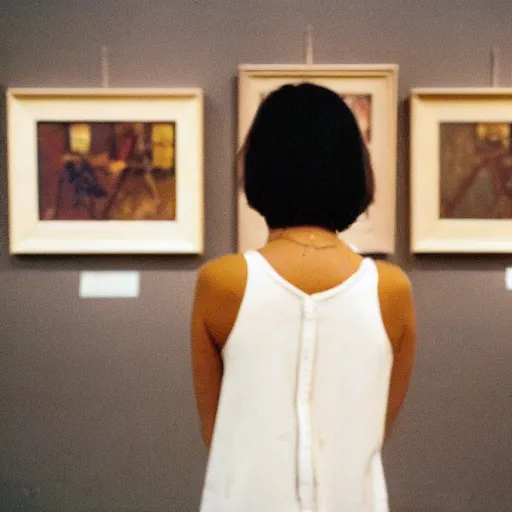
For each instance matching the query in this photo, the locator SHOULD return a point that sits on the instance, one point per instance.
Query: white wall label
(508, 278)
(109, 285)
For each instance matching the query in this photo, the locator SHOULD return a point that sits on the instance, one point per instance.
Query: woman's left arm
(397, 307)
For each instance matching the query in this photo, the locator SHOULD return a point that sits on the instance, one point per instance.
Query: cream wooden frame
(29, 235)
(429, 232)
(375, 234)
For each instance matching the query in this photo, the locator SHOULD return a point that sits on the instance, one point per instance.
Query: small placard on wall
(508, 278)
(109, 285)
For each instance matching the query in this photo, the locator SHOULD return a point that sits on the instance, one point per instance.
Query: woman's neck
(303, 233)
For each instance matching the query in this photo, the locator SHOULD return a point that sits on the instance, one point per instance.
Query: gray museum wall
(96, 403)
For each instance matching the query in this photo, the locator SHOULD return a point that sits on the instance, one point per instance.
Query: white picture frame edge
(29, 235)
(429, 234)
(368, 244)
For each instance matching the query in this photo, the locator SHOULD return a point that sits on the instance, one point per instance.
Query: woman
(302, 351)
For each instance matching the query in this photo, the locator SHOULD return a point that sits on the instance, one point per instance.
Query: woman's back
(306, 372)
(311, 345)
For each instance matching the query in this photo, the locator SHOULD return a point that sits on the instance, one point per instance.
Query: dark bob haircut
(305, 161)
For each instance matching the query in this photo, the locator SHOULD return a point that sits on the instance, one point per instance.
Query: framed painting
(105, 171)
(371, 92)
(461, 170)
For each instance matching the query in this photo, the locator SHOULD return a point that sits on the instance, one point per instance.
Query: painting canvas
(105, 170)
(461, 163)
(361, 106)
(370, 92)
(476, 170)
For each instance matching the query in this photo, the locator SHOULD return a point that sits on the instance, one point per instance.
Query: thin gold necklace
(308, 247)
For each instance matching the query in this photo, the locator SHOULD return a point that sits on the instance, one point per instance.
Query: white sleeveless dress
(301, 416)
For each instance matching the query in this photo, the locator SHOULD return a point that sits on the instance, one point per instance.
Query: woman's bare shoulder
(392, 278)
(219, 294)
(224, 274)
(395, 295)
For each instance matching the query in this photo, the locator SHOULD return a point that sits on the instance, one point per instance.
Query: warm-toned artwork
(106, 170)
(361, 106)
(370, 92)
(461, 170)
(476, 170)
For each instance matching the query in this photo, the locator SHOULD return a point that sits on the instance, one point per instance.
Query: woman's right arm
(219, 293)
(206, 357)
